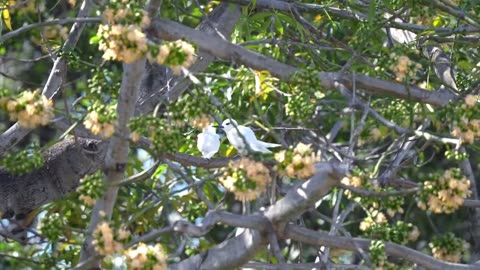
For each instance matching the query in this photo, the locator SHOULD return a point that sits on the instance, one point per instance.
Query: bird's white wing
(200, 141)
(235, 139)
(252, 141)
(215, 143)
(248, 134)
(249, 137)
(208, 144)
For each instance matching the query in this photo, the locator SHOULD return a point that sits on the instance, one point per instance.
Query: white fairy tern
(208, 142)
(232, 130)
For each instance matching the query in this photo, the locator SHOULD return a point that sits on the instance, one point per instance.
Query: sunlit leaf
(6, 18)
(160, 171)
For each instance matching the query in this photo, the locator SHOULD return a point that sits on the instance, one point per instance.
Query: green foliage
(453, 154)
(377, 253)
(103, 84)
(92, 185)
(107, 112)
(52, 227)
(164, 136)
(444, 193)
(448, 247)
(304, 89)
(191, 106)
(397, 233)
(23, 161)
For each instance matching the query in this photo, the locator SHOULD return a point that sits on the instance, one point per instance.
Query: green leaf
(6, 18)
(371, 12)
(278, 25)
(94, 40)
(160, 171)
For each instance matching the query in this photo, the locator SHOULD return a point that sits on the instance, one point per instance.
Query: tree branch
(170, 30)
(65, 164)
(316, 238)
(117, 152)
(189, 160)
(29, 27)
(287, 7)
(237, 251)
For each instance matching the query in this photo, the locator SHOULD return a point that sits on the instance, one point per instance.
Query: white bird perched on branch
(232, 130)
(208, 142)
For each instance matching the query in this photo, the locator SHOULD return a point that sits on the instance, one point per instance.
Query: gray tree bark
(65, 164)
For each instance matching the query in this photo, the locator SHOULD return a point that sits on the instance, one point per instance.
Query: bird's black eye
(227, 124)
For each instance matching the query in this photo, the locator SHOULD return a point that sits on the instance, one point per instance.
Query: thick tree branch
(297, 200)
(316, 238)
(117, 152)
(189, 160)
(230, 254)
(170, 30)
(65, 164)
(303, 196)
(237, 251)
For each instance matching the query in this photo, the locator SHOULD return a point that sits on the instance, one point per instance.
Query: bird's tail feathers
(266, 144)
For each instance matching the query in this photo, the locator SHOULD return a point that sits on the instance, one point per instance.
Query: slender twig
(371, 193)
(16, 5)
(198, 189)
(141, 176)
(29, 27)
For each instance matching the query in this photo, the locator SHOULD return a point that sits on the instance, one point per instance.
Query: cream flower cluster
(246, 178)
(391, 205)
(128, 43)
(108, 242)
(146, 257)
(31, 109)
(443, 254)
(471, 101)
(104, 241)
(111, 15)
(297, 162)
(353, 181)
(177, 55)
(449, 248)
(446, 194)
(98, 127)
(404, 67)
(374, 217)
(467, 129)
(87, 200)
(201, 121)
